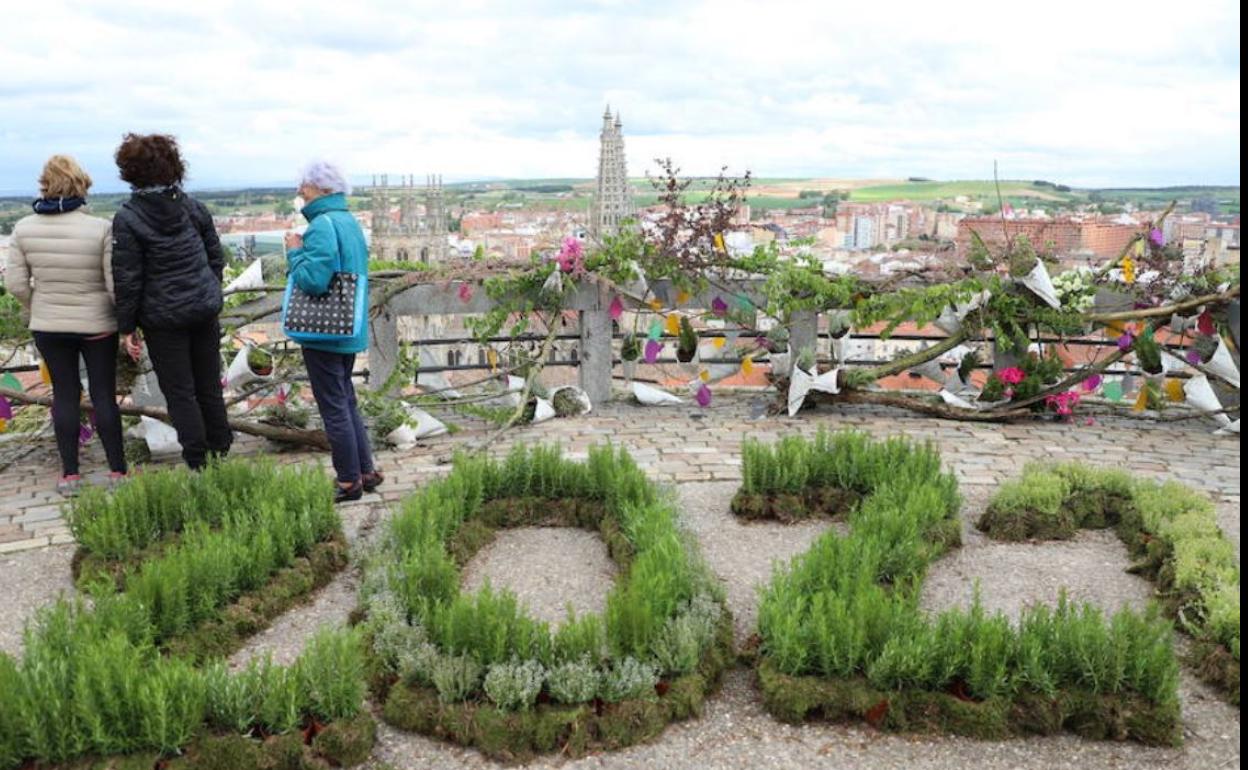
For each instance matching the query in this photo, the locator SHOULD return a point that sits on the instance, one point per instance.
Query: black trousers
(61, 353)
(329, 374)
(187, 363)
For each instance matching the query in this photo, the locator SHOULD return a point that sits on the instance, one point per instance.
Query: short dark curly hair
(149, 160)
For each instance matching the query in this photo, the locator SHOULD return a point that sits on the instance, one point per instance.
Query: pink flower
(465, 292)
(571, 257)
(617, 308)
(1092, 383)
(1063, 403)
(1012, 376)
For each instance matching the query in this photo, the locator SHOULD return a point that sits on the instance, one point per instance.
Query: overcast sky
(1086, 93)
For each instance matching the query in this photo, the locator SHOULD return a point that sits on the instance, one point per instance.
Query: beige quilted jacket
(60, 269)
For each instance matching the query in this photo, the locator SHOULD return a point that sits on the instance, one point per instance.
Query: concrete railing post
(803, 332)
(595, 353)
(383, 348)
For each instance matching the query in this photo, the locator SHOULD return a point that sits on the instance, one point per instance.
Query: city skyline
(1108, 94)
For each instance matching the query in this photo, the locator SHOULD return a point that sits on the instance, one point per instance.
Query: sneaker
(69, 485)
(348, 494)
(372, 480)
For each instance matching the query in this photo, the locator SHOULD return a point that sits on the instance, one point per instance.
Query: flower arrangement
(1018, 383)
(1063, 403)
(571, 257)
(1076, 289)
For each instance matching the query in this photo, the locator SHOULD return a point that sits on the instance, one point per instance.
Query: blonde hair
(62, 177)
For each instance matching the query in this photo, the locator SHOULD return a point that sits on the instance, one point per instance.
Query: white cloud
(1086, 93)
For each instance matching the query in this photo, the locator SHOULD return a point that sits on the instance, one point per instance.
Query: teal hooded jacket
(332, 243)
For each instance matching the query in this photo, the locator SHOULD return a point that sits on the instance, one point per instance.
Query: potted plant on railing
(1148, 353)
(250, 364)
(630, 353)
(687, 343)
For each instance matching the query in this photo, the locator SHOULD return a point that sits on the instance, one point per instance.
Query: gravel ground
(29, 580)
(549, 569)
(1011, 576)
(742, 555)
(1228, 521)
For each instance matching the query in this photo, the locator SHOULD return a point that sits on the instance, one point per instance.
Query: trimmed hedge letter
(843, 636)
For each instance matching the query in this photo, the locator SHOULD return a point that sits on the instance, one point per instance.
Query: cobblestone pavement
(683, 443)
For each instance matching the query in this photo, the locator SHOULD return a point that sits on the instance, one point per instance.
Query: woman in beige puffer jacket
(60, 271)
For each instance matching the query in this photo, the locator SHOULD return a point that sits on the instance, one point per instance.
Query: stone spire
(613, 196)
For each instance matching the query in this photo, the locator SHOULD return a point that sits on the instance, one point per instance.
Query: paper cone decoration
(703, 396)
(656, 330)
(543, 411)
(6, 409)
(649, 396)
(950, 320)
(1171, 363)
(719, 308)
(652, 351)
(240, 372)
(802, 382)
(10, 382)
(1200, 395)
(44, 375)
(1229, 430)
(552, 285)
(161, 439)
(1174, 390)
(1041, 285)
(491, 358)
(434, 381)
(747, 366)
(1223, 365)
(1113, 391)
(402, 437)
(781, 363)
(841, 347)
(1204, 324)
(1092, 383)
(579, 397)
(617, 308)
(655, 304)
(637, 286)
(1141, 401)
(251, 278)
(955, 400)
(718, 342)
(4, 425)
(682, 297)
(932, 371)
(672, 324)
(425, 424)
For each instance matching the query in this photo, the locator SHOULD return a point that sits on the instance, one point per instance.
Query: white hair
(326, 176)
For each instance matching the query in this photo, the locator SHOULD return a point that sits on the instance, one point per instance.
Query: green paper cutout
(11, 382)
(1112, 391)
(656, 330)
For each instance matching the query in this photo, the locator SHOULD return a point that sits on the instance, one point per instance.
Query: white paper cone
(426, 425)
(1200, 395)
(948, 321)
(650, 396)
(781, 363)
(161, 439)
(251, 278)
(637, 287)
(841, 346)
(1041, 285)
(1170, 363)
(544, 410)
(955, 400)
(629, 368)
(932, 371)
(1230, 430)
(402, 437)
(554, 282)
(1223, 365)
(240, 372)
(800, 383)
(827, 382)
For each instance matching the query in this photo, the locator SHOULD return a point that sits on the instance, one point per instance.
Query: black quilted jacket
(167, 262)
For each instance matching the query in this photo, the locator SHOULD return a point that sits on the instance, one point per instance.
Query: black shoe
(348, 494)
(372, 480)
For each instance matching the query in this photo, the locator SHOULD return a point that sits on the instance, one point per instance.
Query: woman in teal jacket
(334, 242)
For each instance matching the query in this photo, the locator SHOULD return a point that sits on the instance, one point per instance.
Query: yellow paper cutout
(1139, 247)
(4, 425)
(1141, 402)
(682, 297)
(655, 304)
(719, 242)
(672, 324)
(718, 342)
(747, 366)
(44, 374)
(1128, 270)
(1174, 391)
(704, 375)
(491, 356)
(1115, 328)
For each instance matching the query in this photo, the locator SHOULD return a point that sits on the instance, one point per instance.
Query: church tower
(613, 196)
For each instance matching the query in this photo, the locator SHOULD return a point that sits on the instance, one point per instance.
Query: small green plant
(630, 348)
(514, 686)
(628, 678)
(576, 681)
(687, 341)
(260, 361)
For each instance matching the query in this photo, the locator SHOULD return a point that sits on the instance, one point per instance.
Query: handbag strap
(337, 240)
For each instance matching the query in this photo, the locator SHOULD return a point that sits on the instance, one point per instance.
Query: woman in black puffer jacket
(167, 269)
